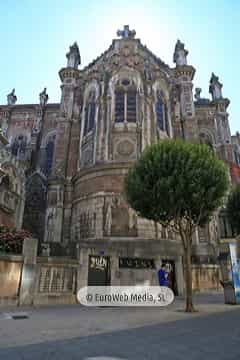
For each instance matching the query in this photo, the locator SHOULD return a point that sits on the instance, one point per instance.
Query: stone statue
(73, 56)
(126, 33)
(50, 227)
(215, 88)
(37, 126)
(43, 97)
(180, 54)
(197, 94)
(132, 219)
(11, 98)
(108, 221)
(147, 70)
(4, 127)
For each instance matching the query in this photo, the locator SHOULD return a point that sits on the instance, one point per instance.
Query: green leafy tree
(179, 185)
(233, 209)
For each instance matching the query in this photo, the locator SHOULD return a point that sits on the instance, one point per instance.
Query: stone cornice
(102, 167)
(69, 73)
(33, 107)
(220, 101)
(184, 70)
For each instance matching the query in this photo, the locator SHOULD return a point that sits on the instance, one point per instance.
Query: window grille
(56, 279)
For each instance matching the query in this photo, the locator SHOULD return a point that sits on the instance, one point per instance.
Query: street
(81, 333)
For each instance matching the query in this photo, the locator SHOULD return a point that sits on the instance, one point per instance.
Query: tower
(66, 150)
(184, 124)
(224, 146)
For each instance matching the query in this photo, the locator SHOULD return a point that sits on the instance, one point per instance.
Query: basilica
(76, 153)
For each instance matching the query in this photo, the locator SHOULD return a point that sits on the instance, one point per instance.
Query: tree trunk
(188, 275)
(156, 230)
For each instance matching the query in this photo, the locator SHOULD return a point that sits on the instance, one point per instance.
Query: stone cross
(126, 33)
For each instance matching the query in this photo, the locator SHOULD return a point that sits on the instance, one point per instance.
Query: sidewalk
(65, 322)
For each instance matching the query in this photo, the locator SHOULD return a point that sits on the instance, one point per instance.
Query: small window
(125, 82)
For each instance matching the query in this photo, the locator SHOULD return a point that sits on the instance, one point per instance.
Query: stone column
(28, 278)
(183, 76)
(224, 141)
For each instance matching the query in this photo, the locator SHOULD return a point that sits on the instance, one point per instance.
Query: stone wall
(32, 280)
(206, 277)
(10, 275)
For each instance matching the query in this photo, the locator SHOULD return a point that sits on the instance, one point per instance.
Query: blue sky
(35, 36)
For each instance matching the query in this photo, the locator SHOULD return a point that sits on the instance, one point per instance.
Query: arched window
(125, 102)
(162, 113)
(90, 111)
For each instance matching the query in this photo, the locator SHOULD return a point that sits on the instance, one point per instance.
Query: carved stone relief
(87, 154)
(87, 225)
(119, 219)
(124, 148)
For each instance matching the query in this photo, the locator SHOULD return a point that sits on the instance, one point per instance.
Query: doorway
(99, 270)
(171, 270)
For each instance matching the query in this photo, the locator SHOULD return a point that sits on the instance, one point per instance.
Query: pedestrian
(162, 276)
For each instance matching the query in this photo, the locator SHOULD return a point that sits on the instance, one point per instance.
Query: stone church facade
(77, 153)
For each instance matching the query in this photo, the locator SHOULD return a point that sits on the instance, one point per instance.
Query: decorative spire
(180, 54)
(73, 56)
(126, 33)
(215, 88)
(11, 98)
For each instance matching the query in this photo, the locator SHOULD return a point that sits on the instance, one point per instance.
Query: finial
(126, 33)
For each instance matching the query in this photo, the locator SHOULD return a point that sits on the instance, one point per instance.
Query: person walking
(162, 276)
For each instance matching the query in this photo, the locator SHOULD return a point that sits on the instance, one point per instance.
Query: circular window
(125, 82)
